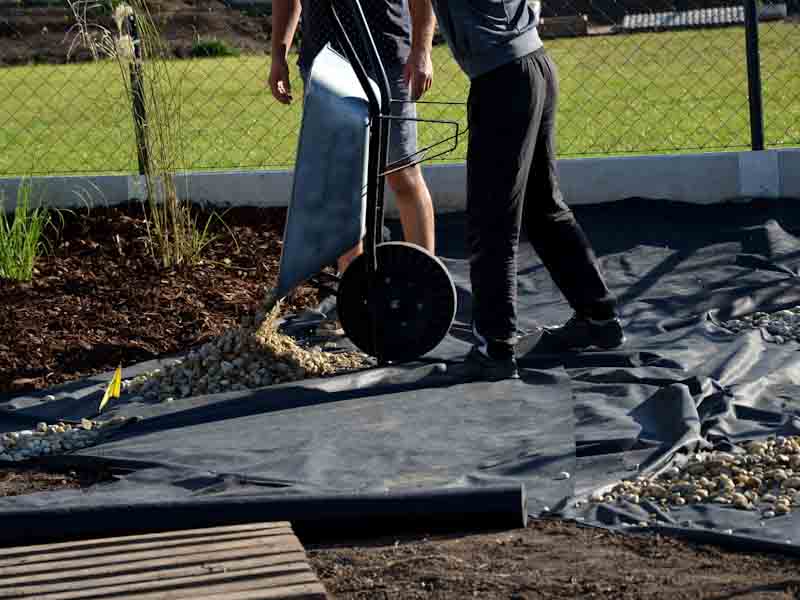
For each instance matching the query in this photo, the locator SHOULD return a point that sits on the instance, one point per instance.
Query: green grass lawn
(667, 92)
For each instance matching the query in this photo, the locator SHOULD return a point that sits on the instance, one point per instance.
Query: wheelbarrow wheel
(411, 300)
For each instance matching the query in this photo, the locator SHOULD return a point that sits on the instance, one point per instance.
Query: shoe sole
(600, 347)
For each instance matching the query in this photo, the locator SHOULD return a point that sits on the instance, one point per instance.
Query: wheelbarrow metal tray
(327, 209)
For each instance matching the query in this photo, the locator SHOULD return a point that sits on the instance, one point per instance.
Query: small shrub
(21, 237)
(208, 48)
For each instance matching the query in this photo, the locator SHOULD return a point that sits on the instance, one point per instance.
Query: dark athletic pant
(511, 177)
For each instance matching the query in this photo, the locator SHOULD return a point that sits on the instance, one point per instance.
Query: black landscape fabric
(574, 422)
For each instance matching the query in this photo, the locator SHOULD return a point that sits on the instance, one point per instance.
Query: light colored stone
(697, 468)
(671, 473)
(791, 483)
(740, 501)
(656, 491)
(778, 475)
(754, 482)
(726, 485)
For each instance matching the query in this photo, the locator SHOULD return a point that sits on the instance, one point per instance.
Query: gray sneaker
(580, 333)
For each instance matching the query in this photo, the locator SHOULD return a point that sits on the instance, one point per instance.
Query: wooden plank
(303, 591)
(127, 539)
(226, 588)
(263, 577)
(60, 581)
(284, 542)
(240, 562)
(133, 546)
(201, 557)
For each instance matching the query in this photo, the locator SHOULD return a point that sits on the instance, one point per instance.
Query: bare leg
(415, 206)
(416, 212)
(348, 257)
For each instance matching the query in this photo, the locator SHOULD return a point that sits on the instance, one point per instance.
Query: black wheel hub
(404, 309)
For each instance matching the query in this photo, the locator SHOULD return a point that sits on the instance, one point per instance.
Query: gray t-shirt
(388, 21)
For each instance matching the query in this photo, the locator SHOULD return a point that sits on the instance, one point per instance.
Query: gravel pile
(251, 356)
(53, 439)
(783, 326)
(765, 477)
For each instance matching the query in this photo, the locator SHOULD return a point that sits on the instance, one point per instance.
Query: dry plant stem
(174, 238)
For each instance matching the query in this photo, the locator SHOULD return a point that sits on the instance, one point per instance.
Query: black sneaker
(491, 360)
(328, 308)
(479, 365)
(580, 333)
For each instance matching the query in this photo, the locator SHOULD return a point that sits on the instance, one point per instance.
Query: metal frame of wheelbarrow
(378, 149)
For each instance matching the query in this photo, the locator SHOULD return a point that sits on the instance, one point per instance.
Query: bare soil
(99, 299)
(28, 479)
(44, 34)
(550, 559)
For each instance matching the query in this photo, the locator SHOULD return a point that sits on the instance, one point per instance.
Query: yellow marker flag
(113, 389)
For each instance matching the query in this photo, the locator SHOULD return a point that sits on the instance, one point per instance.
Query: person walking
(512, 179)
(403, 35)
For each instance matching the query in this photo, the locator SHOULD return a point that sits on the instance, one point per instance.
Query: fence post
(754, 75)
(137, 89)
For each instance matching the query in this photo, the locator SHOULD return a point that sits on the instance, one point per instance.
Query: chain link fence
(637, 76)
(779, 45)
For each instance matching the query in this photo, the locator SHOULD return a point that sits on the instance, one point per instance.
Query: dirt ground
(98, 301)
(551, 559)
(548, 559)
(45, 34)
(28, 479)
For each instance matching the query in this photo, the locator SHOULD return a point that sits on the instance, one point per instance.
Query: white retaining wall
(699, 178)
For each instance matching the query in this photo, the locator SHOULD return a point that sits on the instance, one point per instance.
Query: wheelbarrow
(396, 301)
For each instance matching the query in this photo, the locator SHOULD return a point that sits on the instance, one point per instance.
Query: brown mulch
(99, 300)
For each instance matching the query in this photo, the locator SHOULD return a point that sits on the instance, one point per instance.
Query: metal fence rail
(637, 76)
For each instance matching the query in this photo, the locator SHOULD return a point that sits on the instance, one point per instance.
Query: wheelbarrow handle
(381, 107)
(378, 151)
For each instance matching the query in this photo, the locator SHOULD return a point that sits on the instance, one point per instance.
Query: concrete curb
(696, 178)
